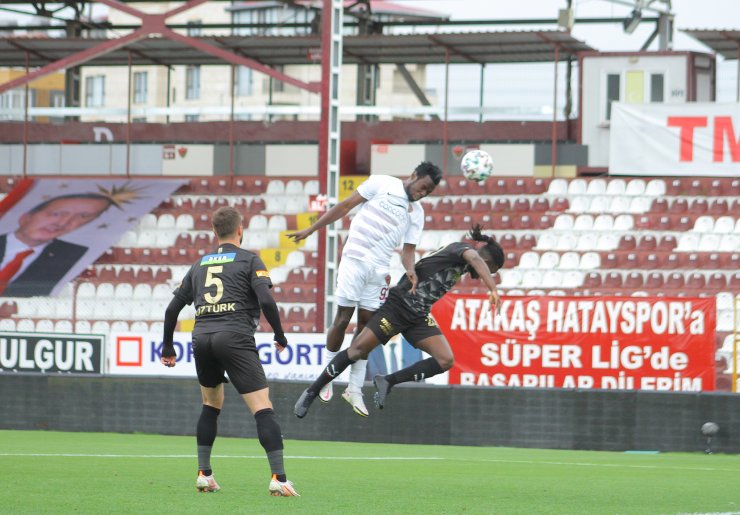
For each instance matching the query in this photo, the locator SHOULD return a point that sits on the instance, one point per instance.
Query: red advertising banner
(616, 343)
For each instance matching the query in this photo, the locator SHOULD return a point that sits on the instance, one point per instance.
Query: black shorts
(234, 353)
(394, 317)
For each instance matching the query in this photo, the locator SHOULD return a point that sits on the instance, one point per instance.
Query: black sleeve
(170, 321)
(270, 310)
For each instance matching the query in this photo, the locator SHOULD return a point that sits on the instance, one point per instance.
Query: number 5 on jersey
(213, 280)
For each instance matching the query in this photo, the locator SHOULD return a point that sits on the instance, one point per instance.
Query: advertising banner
(675, 139)
(620, 343)
(51, 353)
(139, 354)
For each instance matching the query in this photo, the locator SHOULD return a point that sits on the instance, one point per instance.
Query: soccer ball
(476, 165)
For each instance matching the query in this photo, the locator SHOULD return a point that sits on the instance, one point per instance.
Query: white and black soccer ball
(476, 165)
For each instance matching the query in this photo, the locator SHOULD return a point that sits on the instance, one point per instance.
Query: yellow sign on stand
(273, 257)
(348, 184)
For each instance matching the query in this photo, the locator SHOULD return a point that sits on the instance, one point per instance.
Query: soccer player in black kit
(229, 288)
(408, 313)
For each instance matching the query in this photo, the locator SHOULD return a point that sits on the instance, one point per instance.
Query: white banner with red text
(675, 139)
(614, 343)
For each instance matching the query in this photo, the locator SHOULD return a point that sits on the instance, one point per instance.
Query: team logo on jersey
(217, 259)
(262, 273)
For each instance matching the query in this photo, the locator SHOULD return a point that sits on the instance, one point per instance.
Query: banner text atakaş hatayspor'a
(623, 343)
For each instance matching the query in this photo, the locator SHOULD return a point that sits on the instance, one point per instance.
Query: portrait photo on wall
(51, 230)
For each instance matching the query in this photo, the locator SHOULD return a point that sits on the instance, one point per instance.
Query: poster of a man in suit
(51, 230)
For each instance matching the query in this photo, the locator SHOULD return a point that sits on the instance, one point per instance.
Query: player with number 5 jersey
(229, 288)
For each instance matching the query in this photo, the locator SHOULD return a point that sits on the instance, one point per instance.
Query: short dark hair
(493, 247)
(94, 196)
(226, 220)
(427, 168)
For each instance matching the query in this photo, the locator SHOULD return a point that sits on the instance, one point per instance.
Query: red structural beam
(154, 24)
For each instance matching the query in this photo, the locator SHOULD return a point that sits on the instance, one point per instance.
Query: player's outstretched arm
(481, 268)
(169, 357)
(408, 260)
(272, 314)
(332, 215)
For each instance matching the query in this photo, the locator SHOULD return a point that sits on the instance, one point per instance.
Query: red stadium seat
(612, 280)
(521, 205)
(504, 223)
(445, 205)
(204, 241)
(540, 205)
(667, 242)
(627, 242)
(483, 205)
(696, 281)
(674, 281)
(164, 274)
(699, 206)
(502, 205)
(654, 281)
(496, 187)
(145, 274)
(516, 187)
(683, 223)
(257, 205)
(527, 242)
(543, 222)
(202, 222)
(718, 207)
(734, 281)
(716, 282)
(679, 206)
(537, 186)
(592, 280)
(508, 241)
(463, 205)
(648, 242)
(660, 205)
(107, 274)
(633, 280)
(183, 241)
(560, 205)
(611, 260)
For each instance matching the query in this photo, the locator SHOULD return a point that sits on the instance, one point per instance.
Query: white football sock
(357, 375)
(328, 356)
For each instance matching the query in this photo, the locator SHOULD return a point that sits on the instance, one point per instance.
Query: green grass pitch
(55, 472)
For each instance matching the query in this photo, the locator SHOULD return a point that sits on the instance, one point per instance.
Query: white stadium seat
(558, 187)
(655, 188)
(704, 223)
(590, 261)
(583, 223)
(569, 261)
(549, 260)
(596, 187)
(724, 225)
(563, 223)
(624, 222)
(635, 187)
(529, 260)
(577, 187)
(616, 187)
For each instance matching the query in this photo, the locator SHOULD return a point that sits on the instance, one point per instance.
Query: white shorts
(360, 284)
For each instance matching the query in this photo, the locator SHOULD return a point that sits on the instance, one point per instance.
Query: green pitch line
(54, 472)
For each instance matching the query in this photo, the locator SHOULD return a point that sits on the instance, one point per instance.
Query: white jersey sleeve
(372, 186)
(416, 225)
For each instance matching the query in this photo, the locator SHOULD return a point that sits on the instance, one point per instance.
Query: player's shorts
(360, 284)
(234, 353)
(394, 317)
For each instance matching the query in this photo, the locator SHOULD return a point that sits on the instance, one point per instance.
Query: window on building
(192, 82)
(278, 86)
(612, 92)
(140, 85)
(192, 117)
(195, 28)
(657, 86)
(95, 91)
(243, 81)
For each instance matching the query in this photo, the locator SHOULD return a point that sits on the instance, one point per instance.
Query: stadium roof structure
(452, 48)
(723, 42)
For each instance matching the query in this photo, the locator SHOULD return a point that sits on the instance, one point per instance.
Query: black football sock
(205, 436)
(416, 372)
(271, 439)
(335, 367)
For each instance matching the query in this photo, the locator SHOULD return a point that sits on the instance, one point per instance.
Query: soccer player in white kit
(390, 215)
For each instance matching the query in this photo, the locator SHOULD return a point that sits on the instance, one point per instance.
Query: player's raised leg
(359, 349)
(334, 339)
(441, 359)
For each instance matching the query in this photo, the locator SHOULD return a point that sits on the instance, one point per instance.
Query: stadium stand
(597, 236)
